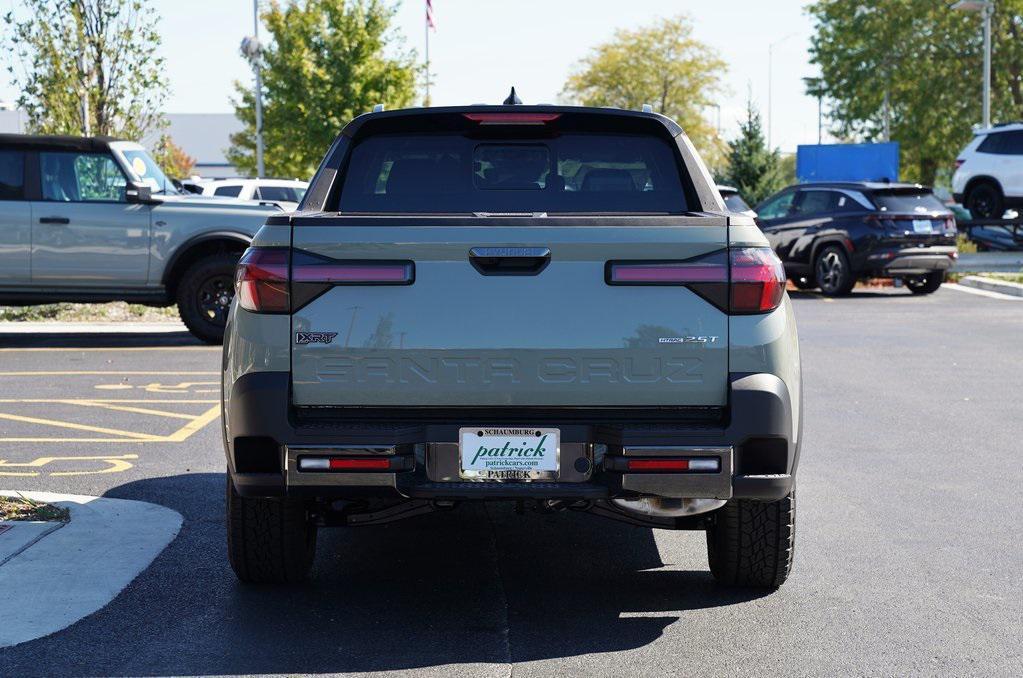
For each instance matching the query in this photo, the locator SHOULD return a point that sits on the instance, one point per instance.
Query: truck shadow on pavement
(476, 585)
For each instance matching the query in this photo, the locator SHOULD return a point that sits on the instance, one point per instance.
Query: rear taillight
(757, 280)
(266, 283)
(312, 275)
(261, 280)
(740, 281)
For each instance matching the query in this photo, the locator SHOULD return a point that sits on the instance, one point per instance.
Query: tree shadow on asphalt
(98, 340)
(476, 585)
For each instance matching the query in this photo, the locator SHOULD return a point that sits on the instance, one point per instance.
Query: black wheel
(833, 274)
(985, 201)
(269, 540)
(803, 283)
(204, 296)
(751, 543)
(926, 284)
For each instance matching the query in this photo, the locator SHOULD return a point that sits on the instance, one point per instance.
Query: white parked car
(989, 172)
(734, 201)
(285, 192)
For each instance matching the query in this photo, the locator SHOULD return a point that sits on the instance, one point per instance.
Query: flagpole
(426, 26)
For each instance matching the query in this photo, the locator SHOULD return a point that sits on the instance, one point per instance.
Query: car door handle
(509, 260)
(54, 220)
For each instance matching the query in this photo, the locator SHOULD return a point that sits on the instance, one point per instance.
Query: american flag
(429, 15)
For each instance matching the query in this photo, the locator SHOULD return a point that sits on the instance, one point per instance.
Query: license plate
(922, 226)
(509, 454)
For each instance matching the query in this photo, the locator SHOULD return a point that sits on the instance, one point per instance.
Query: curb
(992, 285)
(77, 570)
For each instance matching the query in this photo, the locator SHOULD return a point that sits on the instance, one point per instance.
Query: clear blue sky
(482, 47)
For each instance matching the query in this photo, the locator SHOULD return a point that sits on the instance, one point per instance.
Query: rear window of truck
(574, 173)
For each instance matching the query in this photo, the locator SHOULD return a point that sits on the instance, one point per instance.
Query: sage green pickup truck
(533, 304)
(93, 219)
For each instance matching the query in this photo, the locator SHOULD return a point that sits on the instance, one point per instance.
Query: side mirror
(138, 193)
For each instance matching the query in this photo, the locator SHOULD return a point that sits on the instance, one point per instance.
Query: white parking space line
(982, 293)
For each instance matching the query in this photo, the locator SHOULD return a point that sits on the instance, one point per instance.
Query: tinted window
(285, 193)
(12, 175)
(908, 201)
(81, 177)
(815, 202)
(776, 207)
(734, 202)
(228, 191)
(1003, 143)
(572, 173)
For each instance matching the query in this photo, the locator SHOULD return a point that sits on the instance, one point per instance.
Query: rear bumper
(897, 262)
(753, 439)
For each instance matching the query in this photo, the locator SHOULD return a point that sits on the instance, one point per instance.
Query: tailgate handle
(509, 260)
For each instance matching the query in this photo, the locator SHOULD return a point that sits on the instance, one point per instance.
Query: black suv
(831, 234)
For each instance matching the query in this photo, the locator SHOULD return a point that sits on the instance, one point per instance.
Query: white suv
(989, 172)
(285, 192)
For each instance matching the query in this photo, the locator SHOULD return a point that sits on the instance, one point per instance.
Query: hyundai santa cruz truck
(533, 304)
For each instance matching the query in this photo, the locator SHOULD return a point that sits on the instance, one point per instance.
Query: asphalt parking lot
(908, 543)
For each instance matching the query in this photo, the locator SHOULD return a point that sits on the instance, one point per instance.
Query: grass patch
(117, 311)
(965, 245)
(1006, 277)
(23, 508)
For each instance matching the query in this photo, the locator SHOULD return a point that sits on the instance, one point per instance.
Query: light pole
(770, 75)
(986, 9)
(252, 50)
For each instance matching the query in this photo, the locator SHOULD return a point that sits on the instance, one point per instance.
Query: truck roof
(62, 142)
(352, 128)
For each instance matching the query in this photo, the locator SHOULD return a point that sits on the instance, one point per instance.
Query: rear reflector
(697, 464)
(343, 464)
(512, 118)
(261, 280)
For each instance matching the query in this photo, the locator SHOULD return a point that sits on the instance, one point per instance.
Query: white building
(204, 136)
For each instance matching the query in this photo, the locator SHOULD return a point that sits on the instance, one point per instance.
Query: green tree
(754, 169)
(662, 65)
(325, 65)
(928, 59)
(172, 159)
(104, 49)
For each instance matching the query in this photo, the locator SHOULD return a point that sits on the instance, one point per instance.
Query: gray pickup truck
(94, 219)
(542, 305)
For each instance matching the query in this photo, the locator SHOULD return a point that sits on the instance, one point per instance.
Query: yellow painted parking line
(117, 464)
(155, 401)
(79, 427)
(96, 373)
(118, 349)
(127, 408)
(195, 425)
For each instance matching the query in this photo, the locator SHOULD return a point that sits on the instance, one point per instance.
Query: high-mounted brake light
(512, 118)
(261, 280)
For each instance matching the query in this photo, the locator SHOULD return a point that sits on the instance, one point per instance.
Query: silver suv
(94, 219)
(543, 305)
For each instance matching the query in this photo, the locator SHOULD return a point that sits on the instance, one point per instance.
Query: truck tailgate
(474, 333)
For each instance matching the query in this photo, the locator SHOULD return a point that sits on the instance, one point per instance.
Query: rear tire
(832, 272)
(204, 296)
(751, 543)
(926, 284)
(269, 540)
(985, 201)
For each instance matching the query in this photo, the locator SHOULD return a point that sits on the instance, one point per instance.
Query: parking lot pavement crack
(506, 625)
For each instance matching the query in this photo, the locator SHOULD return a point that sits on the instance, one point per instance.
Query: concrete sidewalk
(69, 573)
